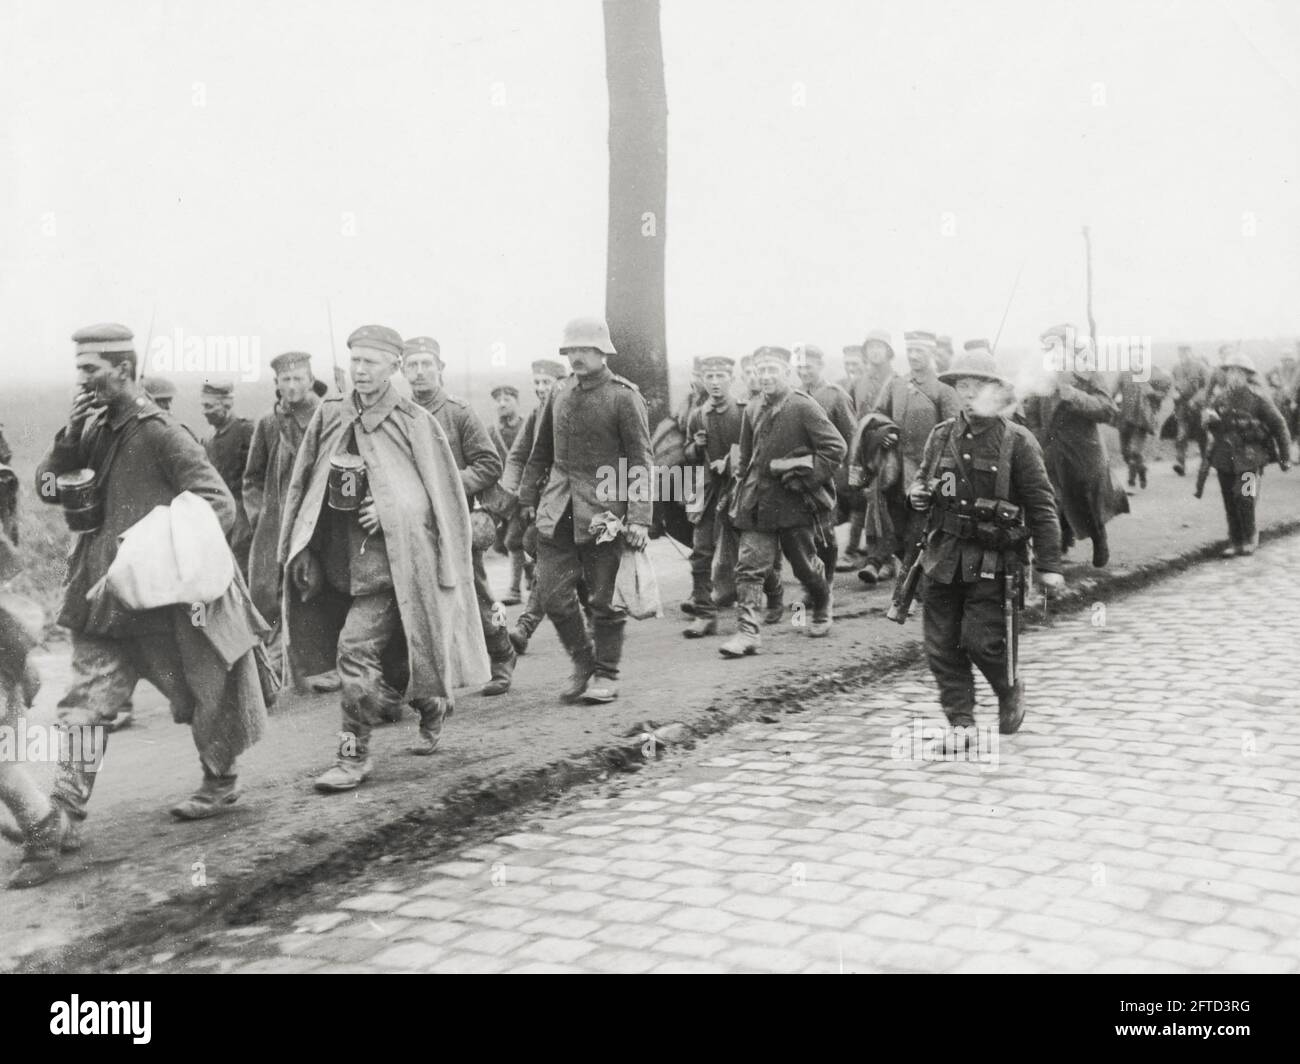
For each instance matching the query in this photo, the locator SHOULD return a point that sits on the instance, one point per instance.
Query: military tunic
(1248, 433)
(774, 515)
(592, 434)
(964, 624)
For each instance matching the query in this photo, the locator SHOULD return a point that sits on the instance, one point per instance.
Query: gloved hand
(305, 572)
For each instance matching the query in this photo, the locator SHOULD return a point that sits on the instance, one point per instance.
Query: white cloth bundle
(173, 555)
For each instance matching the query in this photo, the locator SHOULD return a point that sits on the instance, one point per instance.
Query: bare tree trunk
(638, 194)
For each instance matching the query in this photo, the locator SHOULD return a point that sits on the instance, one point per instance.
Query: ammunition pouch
(995, 524)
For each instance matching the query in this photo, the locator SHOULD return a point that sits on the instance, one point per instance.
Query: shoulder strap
(1003, 485)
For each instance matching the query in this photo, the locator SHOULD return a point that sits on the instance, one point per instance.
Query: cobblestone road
(1143, 820)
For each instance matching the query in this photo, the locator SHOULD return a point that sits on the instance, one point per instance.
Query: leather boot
(701, 627)
(519, 639)
(41, 850)
(573, 634)
(503, 668)
(774, 613)
(215, 795)
(351, 766)
(433, 715)
(603, 687)
(1011, 709)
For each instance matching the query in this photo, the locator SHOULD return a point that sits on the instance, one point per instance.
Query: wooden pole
(638, 197)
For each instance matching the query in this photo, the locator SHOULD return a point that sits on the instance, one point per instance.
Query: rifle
(900, 603)
(340, 374)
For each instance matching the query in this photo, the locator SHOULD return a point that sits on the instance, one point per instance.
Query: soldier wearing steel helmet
(1248, 433)
(594, 422)
(971, 459)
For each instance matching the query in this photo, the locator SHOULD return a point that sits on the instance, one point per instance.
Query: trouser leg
(104, 673)
(559, 570)
(1230, 486)
(857, 523)
(983, 632)
(1246, 494)
(800, 548)
(372, 622)
(945, 650)
(726, 547)
(757, 558)
(600, 562)
(704, 541)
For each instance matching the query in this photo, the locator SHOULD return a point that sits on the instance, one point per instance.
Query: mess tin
(348, 483)
(78, 492)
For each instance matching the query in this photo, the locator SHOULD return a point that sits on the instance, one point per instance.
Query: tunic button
(993, 468)
(965, 502)
(967, 457)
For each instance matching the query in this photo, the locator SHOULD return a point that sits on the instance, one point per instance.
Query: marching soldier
(275, 443)
(985, 485)
(1248, 434)
(1139, 402)
(1190, 376)
(712, 430)
(1067, 423)
(878, 371)
(508, 425)
(810, 364)
(546, 372)
(853, 557)
(375, 473)
(784, 500)
(142, 459)
(161, 390)
(480, 466)
(915, 405)
(594, 421)
(227, 450)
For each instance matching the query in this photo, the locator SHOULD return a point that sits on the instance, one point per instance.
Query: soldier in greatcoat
(376, 547)
(142, 459)
(1067, 422)
(480, 467)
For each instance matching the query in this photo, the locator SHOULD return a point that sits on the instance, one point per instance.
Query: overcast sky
(833, 166)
